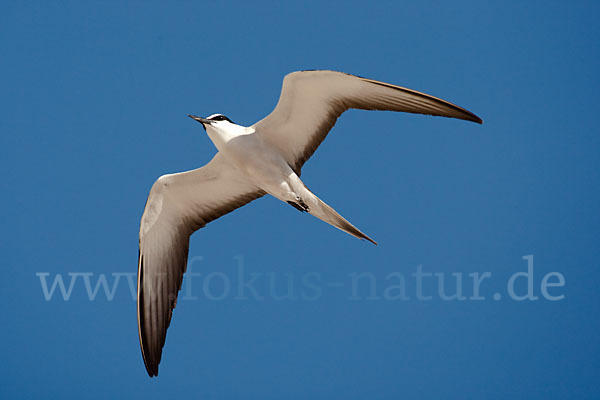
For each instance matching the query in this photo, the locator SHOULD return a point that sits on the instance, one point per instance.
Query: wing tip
(372, 241)
(151, 370)
(469, 116)
(466, 114)
(151, 365)
(474, 118)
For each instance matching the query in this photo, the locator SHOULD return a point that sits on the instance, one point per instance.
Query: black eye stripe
(220, 118)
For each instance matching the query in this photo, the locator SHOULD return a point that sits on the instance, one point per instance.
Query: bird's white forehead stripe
(212, 116)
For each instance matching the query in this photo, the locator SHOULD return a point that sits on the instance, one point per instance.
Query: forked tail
(325, 213)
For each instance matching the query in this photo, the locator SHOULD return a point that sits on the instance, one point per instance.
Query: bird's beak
(203, 121)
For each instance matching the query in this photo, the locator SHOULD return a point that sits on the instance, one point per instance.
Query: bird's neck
(221, 137)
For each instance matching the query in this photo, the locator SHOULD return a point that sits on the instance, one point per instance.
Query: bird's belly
(260, 163)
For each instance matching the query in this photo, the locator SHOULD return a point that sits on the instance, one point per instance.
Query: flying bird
(265, 158)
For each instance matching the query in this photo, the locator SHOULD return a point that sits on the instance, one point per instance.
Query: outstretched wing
(311, 102)
(178, 205)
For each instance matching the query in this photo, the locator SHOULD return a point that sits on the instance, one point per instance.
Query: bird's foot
(299, 205)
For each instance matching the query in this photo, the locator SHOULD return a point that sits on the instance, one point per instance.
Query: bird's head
(215, 121)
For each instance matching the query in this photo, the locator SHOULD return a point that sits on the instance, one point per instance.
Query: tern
(265, 158)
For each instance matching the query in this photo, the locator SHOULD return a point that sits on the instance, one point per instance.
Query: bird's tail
(324, 212)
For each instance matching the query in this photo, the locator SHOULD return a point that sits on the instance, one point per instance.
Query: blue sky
(93, 109)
